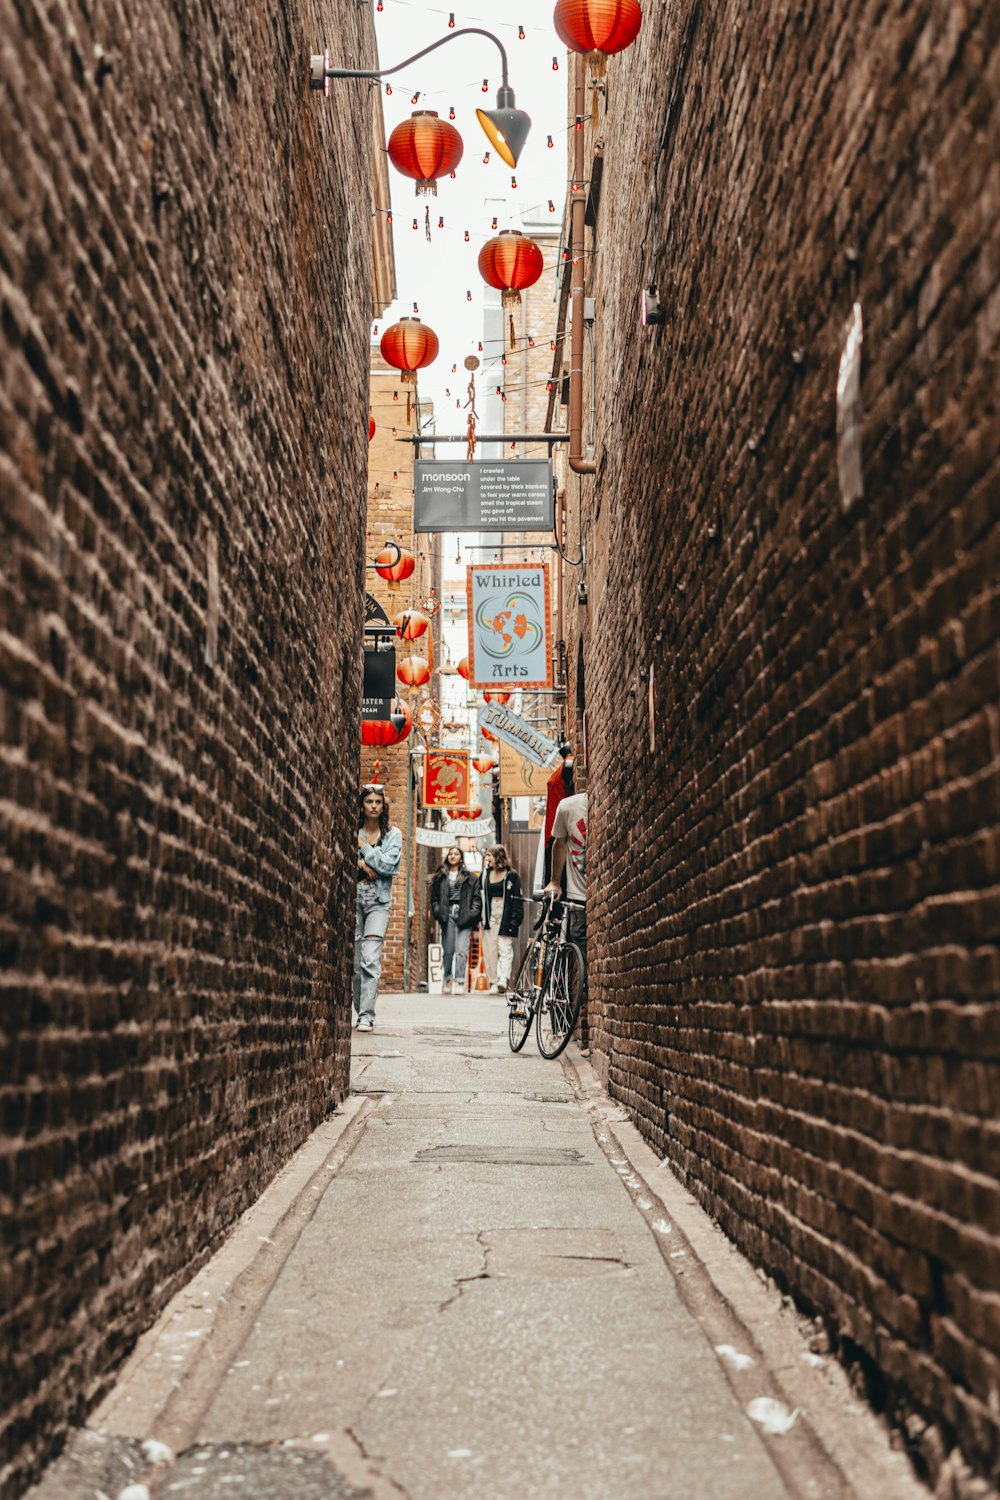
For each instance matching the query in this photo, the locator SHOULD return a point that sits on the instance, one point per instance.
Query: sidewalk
(477, 1280)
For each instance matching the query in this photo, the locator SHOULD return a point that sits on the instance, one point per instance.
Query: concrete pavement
(478, 1280)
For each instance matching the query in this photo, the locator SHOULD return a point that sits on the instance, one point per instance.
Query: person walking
(380, 848)
(503, 913)
(457, 904)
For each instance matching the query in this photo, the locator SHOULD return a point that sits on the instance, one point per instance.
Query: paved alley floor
(477, 1281)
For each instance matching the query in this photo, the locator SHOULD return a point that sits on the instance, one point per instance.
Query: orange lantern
(409, 346)
(425, 148)
(497, 697)
(466, 814)
(600, 26)
(463, 668)
(414, 671)
(383, 731)
(511, 263)
(487, 735)
(394, 563)
(484, 764)
(410, 624)
(371, 426)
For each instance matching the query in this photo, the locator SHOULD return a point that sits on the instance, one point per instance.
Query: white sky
(437, 275)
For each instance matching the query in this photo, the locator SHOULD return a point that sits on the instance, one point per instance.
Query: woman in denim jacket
(380, 848)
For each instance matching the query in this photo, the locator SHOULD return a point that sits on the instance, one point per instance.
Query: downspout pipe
(578, 209)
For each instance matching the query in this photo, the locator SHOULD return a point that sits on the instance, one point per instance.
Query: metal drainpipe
(409, 833)
(578, 210)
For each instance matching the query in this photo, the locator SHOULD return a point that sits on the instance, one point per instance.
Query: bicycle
(548, 986)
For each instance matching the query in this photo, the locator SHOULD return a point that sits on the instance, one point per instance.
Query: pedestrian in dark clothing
(503, 913)
(457, 904)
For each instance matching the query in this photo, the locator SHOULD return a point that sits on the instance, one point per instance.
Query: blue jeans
(371, 923)
(456, 949)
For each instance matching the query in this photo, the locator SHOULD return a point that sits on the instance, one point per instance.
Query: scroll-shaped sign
(517, 732)
(515, 495)
(482, 828)
(447, 779)
(510, 626)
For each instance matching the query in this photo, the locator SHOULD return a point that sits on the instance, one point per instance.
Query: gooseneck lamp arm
(317, 78)
(506, 127)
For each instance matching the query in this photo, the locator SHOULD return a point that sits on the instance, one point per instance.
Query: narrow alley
(477, 1279)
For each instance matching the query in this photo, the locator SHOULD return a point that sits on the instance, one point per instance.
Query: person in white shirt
(569, 857)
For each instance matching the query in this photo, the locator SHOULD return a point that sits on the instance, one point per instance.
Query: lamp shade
(597, 25)
(425, 147)
(506, 127)
(383, 731)
(409, 346)
(394, 563)
(511, 263)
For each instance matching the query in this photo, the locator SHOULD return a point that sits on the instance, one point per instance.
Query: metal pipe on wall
(578, 210)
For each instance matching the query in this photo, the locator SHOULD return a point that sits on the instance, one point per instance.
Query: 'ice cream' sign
(510, 626)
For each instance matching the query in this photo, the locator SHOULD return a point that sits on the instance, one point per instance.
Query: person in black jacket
(457, 904)
(503, 913)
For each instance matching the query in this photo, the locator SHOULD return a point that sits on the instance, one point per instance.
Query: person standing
(503, 913)
(457, 904)
(380, 848)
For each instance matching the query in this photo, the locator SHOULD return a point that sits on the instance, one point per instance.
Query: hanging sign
(447, 779)
(379, 689)
(482, 828)
(513, 496)
(510, 626)
(435, 838)
(528, 741)
(521, 777)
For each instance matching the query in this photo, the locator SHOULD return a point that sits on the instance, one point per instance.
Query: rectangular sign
(447, 779)
(521, 777)
(512, 496)
(529, 742)
(380, 684)
(510, 626)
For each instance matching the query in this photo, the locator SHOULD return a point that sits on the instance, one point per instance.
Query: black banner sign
(514, 496)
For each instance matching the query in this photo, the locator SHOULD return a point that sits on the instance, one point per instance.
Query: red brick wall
(184, 288)
(795, 894)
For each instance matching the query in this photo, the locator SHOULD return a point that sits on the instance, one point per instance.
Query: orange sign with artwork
(447, 779)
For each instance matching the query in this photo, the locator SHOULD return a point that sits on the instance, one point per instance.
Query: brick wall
(795, 913)
(184, 291)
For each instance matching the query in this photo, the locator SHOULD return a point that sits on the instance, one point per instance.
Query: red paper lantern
(409, 346)
(597, 25)
(410, 624)
(371, 428)
(483, 764)
(394, 563)
(383, 731)
(425, 148)
(414, 671)
(465, 814)
(511, 263)
(463, 668)
(488, 735)
(497, 697)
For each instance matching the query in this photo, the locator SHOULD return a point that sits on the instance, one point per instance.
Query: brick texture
(795, 920)
(184, 295)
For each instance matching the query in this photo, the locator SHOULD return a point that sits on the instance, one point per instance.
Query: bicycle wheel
(519, 999)
(559, 1004)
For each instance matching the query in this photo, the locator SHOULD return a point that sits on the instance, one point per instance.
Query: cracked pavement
(465, 1286)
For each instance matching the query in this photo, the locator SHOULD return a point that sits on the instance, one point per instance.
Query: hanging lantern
(488, 734)
(414, 671)
(384, 731)
(394, 563)
(371, 427)
(463, 668)
(409, 345)
(465, 814)
(484, 764)
(497, 697)
(410, 624)
(600, 26)
(425, 148)
(511, 263)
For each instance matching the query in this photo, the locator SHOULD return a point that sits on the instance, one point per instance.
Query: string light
(451, 112)
(549, 142)
(486, 85)
(552, 207)
(494, 225)
(520, 33)
(451, 21)
(486, 159)
(555, 65)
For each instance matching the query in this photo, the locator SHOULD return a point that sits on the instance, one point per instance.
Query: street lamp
(506, 127)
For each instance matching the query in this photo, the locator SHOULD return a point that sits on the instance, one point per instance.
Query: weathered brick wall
(184, 290)
(795, 894)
